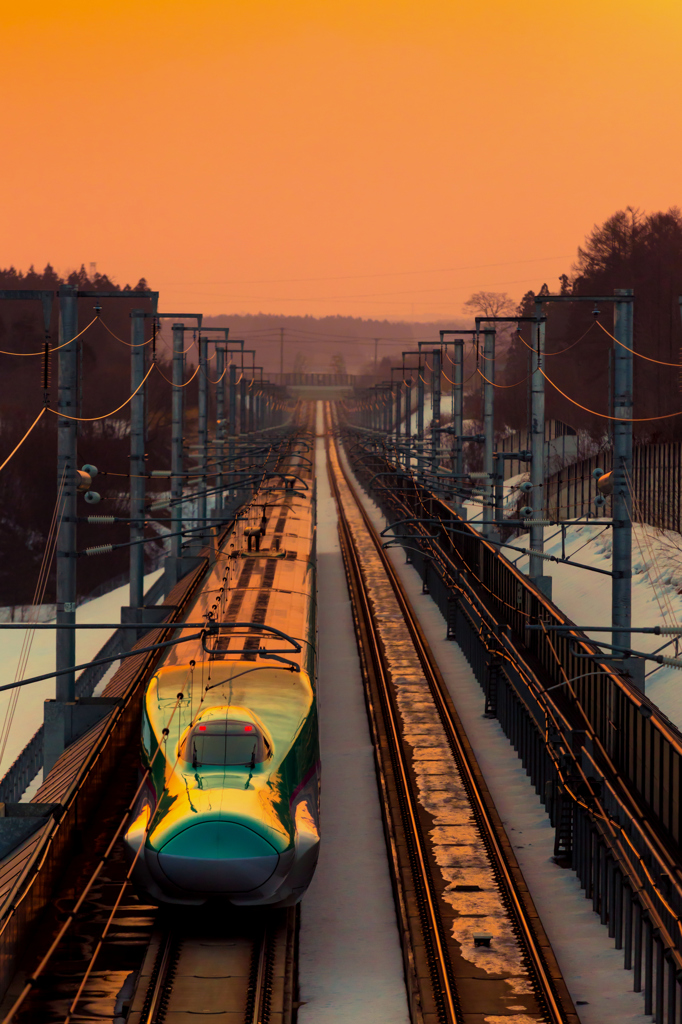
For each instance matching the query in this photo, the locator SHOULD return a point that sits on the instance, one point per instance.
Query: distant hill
(324, 344)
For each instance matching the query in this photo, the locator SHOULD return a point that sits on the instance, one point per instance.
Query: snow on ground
(350, 961)
(28, 716)
(656, 600)
(585, 596)
(592, 968)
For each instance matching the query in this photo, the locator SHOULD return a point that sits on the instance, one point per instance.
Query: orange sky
(374, 158)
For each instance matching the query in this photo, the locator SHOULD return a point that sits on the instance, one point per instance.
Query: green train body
(230, 804)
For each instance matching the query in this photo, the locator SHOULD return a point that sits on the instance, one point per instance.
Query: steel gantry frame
(413, 449)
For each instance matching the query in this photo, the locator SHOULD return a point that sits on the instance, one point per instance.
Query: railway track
(473, 945)
(239, 964)
(104, 953)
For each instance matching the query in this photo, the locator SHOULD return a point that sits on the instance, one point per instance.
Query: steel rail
(561, 717)
(252, 1003)
(156, 999)
(455, 733)
(443, 989)
(260, 990)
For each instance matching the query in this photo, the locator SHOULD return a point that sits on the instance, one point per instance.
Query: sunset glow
(345, 157)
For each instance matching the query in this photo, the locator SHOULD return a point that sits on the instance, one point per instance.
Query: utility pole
(220, 423)
(177, 464)
(202, 435)
(398, 385)
(376, 351)
(137, 460)
(488, 426)
(65, 718)
(67, 481)
(242, 404)
(232, 425)
(537, 446)
(281, 354)
(458, 408)
(621, 598)
(435, 393)
(420, 419)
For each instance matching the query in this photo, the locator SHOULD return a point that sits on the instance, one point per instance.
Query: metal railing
(28, 763)
(606, 763)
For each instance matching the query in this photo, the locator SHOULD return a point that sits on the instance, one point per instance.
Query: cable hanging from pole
(56, 348)
(171, 382)
(502, 385)
(659, 362)
(568, 347)
(35, 422)
(102, 416)
(605, 416)
(128, 344)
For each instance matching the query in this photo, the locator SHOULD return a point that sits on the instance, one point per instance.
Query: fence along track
(451, 1001)
(609, 776)
(241, 963)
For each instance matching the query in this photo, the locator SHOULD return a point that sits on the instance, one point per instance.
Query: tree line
(629, 250)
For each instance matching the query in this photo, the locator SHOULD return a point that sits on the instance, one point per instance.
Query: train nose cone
(218, 856)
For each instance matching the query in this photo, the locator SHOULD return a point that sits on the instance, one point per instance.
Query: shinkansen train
(230, 808)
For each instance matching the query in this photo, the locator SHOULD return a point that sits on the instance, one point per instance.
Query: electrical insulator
(526, 487)
(91, 470)
(526, 511)
(92, 497)
(605, 484)
(600, 501)
(596, 473)
(101, 549)
(84, 480)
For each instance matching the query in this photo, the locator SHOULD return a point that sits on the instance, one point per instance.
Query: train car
(230, 805)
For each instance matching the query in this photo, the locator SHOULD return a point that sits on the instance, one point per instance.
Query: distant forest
(629, 250)
(28, 482)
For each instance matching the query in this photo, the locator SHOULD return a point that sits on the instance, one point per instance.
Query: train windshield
(225, 743)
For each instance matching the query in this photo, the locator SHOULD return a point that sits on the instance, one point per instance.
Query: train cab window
(225, 743)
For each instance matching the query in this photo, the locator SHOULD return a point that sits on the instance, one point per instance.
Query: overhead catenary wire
(16, 449)
(189, 381)
(129, 344)
(492, 382)
(659, 362)
(561, 350)
(54, 348)
(605, 416)
(210, 379)
(104, 415)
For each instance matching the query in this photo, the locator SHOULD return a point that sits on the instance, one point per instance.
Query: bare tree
(490, 304)
(300, 363)
(338, 363)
